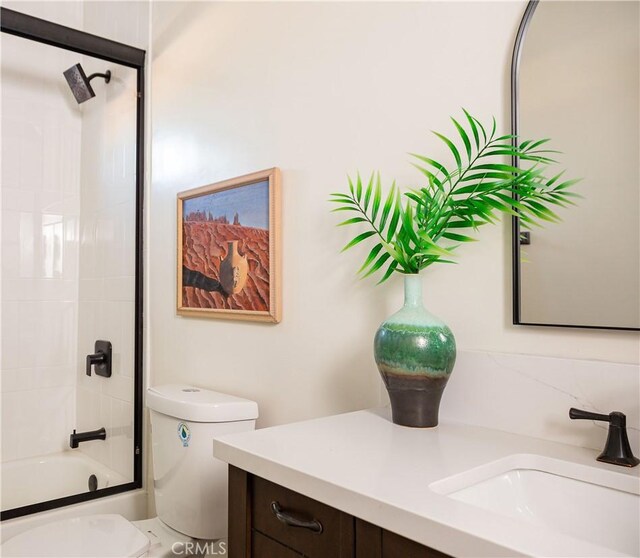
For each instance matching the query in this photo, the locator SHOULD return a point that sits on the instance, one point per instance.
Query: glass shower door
(69, 222)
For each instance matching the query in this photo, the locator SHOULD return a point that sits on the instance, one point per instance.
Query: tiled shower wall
(107, 263)
(107, 237)
(41, 133)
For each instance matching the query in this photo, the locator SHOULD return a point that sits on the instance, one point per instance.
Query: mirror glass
(578, 83)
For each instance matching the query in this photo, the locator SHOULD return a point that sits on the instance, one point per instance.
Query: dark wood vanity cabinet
(255, 531)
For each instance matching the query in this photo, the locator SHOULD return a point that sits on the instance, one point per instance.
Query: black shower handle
(101, 359)
(98, 358)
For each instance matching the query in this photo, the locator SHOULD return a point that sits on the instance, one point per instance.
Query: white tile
(18, 379)
(28, 327)
(56, 289)
(13, 414)
(90, 316)
(111, 243)
(88, 253)
(11, 151)
(93, 289)
(58, 334)
(28, 249)
(10, 339)
(119, 288)
(55, 376)
(10, 228)
(40, 421)
(118, 386)
(103, 447)
(87, 409)
(110, 325)
(31, 155)
(15, 198)
(128, 254)
(10, 263)
(122, 443)
(71, 248)
(55, 410)
(127, 362)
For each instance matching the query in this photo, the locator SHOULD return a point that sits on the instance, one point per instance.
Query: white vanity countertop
(365, 465)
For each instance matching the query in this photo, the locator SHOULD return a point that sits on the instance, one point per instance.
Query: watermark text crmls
(199, 548)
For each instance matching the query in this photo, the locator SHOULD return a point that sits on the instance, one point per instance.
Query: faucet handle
(617, 450)
(587, 415)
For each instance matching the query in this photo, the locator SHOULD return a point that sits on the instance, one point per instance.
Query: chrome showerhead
(79, 82)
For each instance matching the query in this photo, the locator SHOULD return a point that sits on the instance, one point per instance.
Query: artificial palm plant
(414, 350)
(424, 226)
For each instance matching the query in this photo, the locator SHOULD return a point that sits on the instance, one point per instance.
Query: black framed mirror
(575, 78)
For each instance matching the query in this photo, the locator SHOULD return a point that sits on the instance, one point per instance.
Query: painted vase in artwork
(415, 352)
(234, 270)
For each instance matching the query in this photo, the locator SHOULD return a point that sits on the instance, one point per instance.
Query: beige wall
(322, 89)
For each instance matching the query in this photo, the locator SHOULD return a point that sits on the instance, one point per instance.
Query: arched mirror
(576, 80)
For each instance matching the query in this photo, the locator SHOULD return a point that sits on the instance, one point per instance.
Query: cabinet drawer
(337, 528)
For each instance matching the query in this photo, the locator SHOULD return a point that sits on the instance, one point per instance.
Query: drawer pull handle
(288, 519)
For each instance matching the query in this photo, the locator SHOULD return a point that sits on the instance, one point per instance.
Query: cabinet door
(375, 542)
(264, 547)
(395, 546)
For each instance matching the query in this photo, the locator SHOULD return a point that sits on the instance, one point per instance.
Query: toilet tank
(190, 485)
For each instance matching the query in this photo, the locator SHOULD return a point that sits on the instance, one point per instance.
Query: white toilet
(190, 486)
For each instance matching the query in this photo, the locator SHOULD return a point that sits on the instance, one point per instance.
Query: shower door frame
(55, 35)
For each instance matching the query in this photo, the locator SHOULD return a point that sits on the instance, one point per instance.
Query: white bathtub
(38, 479)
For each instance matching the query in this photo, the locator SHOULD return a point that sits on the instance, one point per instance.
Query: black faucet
(617, 450)
(76, 438)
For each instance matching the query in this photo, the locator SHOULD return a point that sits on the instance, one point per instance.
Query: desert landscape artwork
(228, 249)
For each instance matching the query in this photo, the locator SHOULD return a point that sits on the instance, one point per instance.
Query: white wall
(320, 90)
(41, 133)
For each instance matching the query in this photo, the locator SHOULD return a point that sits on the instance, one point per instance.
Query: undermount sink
(592, 504)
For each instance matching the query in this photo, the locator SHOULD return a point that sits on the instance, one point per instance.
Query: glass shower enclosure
(71, 290)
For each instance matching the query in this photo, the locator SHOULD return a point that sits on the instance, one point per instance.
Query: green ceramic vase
(415, 352)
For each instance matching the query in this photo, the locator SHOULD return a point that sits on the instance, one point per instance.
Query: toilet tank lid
(199, 405)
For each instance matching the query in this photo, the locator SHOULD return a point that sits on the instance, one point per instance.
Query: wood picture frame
(229, 261)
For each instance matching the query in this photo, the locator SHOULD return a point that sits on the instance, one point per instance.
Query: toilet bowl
(190, 487)
(165, 542)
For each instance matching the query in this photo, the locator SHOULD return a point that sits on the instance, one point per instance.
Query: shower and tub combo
(72, 272)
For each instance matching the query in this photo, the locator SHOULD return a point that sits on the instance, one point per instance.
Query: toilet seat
(98, 536)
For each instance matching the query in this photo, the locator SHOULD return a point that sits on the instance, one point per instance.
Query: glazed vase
(415, 352)
(234, 270)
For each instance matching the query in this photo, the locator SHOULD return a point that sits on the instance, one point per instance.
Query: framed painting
(229, 249)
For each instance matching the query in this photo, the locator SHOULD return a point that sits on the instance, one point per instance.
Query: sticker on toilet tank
(184, 434)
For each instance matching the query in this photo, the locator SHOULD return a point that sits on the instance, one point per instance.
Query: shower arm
(106, 76)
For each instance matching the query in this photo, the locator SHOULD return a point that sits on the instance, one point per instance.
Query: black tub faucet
(617, 450)
(76, 438)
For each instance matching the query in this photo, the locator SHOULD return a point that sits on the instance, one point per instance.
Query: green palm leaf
(426, 224)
